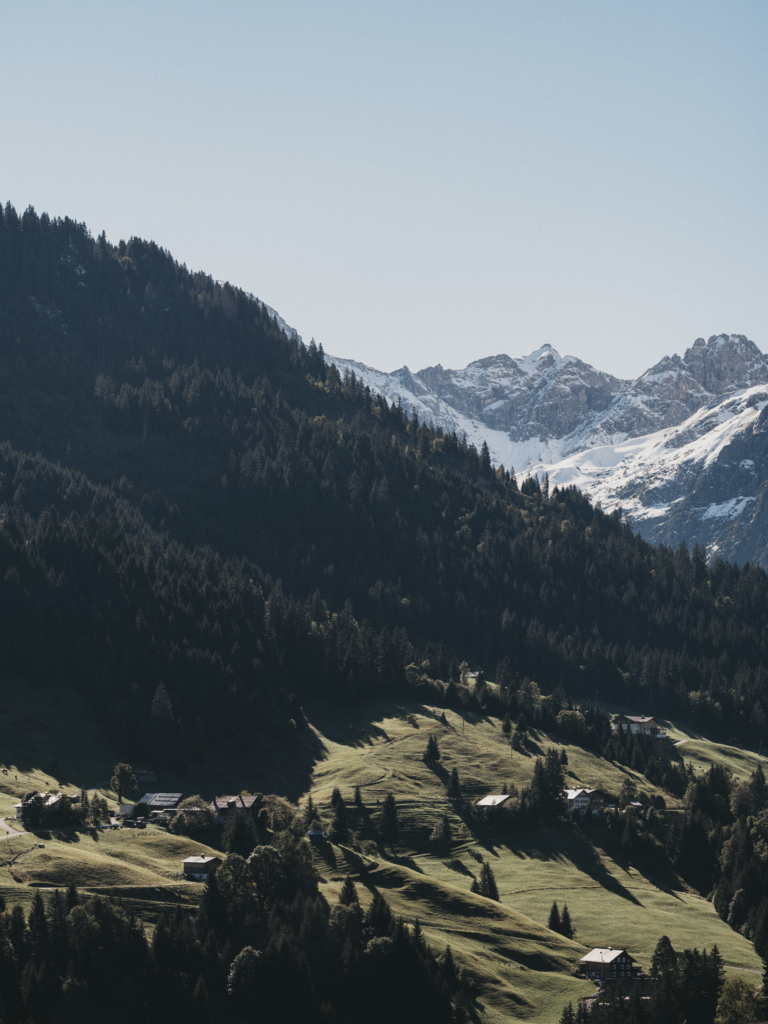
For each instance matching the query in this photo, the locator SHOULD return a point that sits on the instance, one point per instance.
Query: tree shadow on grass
(609, 843)
(405, 862)
(69, 835)
(459, 866)
(337, 725)
(581, 853)
(439, 771)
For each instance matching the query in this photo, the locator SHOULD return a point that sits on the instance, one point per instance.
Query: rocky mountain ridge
(682, 448)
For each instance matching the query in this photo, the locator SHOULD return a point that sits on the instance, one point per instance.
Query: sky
(417, 183)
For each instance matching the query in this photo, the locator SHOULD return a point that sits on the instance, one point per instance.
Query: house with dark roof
(222, 806)
(200, 868)
(643, 725)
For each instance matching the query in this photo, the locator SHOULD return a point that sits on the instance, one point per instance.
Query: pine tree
(389, 826)
(664, 957)
(506, 726)
(460, 1012)
(200, 1011)
(358, 797)
(554, 918)
(335, 796)
(568, 1016)
(441, 833)
(454, 786)
(310, 812)
(339, 825)
(417, 937)
(37, 930)
(488, 885)
(379, 918)
(448, 969)
(240, 834)
(566, 926)
(348, 894)
(432, 753)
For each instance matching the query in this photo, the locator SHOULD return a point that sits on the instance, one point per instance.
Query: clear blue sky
(417, 182)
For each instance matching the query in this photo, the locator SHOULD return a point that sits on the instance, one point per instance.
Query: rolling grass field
(611, 903)
(521, 969)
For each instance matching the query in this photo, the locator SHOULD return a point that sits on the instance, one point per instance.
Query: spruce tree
(348, 892)
(566, 925)
(310, 812)
(240, 834)
(448, 969)
(389, 826)
(554, 918)
(432, 753)
(454, 786)
(441, 833)
(339, 825)
(200, 1009)
(488, 885)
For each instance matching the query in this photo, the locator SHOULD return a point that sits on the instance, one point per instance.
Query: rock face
(540, 395)
(683, 448)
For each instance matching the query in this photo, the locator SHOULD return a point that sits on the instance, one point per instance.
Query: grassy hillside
(521, 969)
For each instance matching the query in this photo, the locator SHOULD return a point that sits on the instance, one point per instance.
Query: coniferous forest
(203, 526)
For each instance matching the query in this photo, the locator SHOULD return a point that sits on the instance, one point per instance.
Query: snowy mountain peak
(724, 362)
(684, 446)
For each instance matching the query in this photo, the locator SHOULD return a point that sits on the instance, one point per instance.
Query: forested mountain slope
(170, 455)
(682, 448)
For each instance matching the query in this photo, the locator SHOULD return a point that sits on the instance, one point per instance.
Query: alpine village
(311, 711)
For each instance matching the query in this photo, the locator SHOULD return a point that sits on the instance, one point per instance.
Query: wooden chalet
(200, 868)
(602, 963)
(642, 725)
(584, 799)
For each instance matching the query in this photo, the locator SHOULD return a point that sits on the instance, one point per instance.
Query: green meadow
(520, 969)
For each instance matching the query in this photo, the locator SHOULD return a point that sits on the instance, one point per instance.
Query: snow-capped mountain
(683, 448)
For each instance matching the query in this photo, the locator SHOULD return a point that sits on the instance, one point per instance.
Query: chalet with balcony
(602, 963)
(641, 725)
(584, 799)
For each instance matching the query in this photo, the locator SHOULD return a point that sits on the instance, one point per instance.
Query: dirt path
(11, 863)
(11, 832)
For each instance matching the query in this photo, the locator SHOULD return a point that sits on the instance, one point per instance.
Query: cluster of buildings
(161, 807)
(48, 800)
